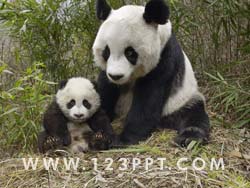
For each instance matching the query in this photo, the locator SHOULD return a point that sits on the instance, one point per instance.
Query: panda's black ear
(156, 11)
(95, 85)
(62, 84)
(102, 9)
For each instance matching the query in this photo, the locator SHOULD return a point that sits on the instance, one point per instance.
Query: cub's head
(130, 40)
(78, 99)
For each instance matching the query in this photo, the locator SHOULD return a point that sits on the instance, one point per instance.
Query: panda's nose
(79, 115)
(116, 77)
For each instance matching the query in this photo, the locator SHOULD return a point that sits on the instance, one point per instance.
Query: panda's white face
(78, 100)
(126, 47)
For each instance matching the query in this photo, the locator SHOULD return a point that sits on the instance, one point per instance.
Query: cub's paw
(47, 142)
(100, 141)
(190, 134)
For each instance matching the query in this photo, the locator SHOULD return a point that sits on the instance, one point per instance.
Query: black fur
(191, 122)
(100, 122)
(131, 55)
(100, 140)
(109, 94)
(150, 94)
(102, 9)
(62, 84)
(156, 11)
(95, 85)
(55, 123)
(106, 53)
(47, 142)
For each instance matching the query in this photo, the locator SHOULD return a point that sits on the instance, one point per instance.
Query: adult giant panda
(146, 77)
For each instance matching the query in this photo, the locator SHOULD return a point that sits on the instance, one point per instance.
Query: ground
(232, 145)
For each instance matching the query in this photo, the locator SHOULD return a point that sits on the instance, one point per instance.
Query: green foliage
(231, 98)
(214, 33)
(55, 33)
(22, 106)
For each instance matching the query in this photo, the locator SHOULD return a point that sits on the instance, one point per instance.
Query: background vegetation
(43, 41)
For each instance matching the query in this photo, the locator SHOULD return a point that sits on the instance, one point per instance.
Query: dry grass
(231, 145)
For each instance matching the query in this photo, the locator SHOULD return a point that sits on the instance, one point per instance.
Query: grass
(231, 145)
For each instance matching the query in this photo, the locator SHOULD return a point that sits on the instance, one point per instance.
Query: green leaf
(9, 112)
(243, 123)
(191, 145)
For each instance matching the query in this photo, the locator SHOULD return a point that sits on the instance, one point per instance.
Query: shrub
(57, 33)
(22, 106)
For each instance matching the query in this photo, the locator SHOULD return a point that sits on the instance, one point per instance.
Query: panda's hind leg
(80, 146)
(191, 123)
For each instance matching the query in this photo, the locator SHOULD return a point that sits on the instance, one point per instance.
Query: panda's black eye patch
(71, 104)
(131, 55)
(86, 104)
(106, 53)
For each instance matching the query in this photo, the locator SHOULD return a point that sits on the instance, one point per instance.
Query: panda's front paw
(100, 141)
(190, 134)
(47, 142)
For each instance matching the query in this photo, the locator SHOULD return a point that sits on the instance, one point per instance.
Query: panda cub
(74, 119)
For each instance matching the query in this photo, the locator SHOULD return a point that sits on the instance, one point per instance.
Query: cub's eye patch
(86, 104)
(71, 104)
(106, 53)
(131, 55)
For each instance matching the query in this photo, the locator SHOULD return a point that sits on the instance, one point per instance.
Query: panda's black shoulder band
(156, 11)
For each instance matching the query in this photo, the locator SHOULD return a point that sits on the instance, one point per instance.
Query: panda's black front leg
(145, 113)
(109, 94)
(104, 134)
(55, 124)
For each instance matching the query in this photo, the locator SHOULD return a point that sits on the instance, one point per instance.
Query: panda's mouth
(120, 81)
(78, 120)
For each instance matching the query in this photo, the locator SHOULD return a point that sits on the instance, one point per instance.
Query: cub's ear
(102, 9)
(95, 85)
(157, 12)
(62, 84)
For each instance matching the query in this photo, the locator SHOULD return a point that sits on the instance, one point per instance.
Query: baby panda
(75, 119)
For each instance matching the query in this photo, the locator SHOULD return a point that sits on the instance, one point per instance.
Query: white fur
(78, 89)
(188, 91)
(126, 27)
(77, 130)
